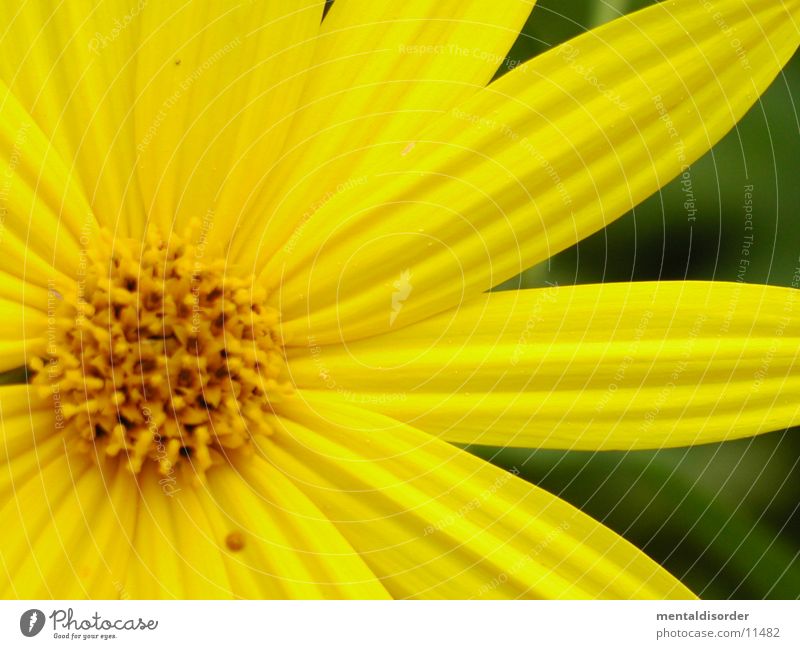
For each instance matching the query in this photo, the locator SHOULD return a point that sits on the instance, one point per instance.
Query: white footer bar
(386, 625)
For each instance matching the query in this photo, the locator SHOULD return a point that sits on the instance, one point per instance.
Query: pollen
(161, 356)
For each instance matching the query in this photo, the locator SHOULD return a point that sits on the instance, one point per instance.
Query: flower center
(160, 357)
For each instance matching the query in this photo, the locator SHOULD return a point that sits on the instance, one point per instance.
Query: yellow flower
(246, 256)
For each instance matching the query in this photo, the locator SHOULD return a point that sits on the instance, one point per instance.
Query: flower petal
(62, 556)
(136, 97)
(290, 548)
(22, 333)
(67, 523)
(612, 366)
(247, 533)
(43, 212)
(218, 84)
(381, 72)
(433, 521)
(75, 528)
(26, 419)
(546, 155)
(71, 65)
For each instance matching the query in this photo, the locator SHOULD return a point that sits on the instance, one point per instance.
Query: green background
(721, 517)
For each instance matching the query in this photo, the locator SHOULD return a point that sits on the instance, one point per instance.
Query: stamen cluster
(160, 356)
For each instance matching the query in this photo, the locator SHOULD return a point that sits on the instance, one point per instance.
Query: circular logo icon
(31, 622)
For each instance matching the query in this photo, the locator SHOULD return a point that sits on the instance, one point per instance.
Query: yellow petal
(59, 530)
(433, 521)
(203, 564)
(29, 464)
(43, 491)
(642, 365)
(155, 569)
(27, 419)
(28, 436)
(246, 533)
(71, 65)
(15, 289)
(75, 529)
(43, 213)
(26, 516)
(381, 72)
(613, 366)
(219, 82)
(546, 155)
(54, 565)
(288, 544)
(103, 557)
(23, 333)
